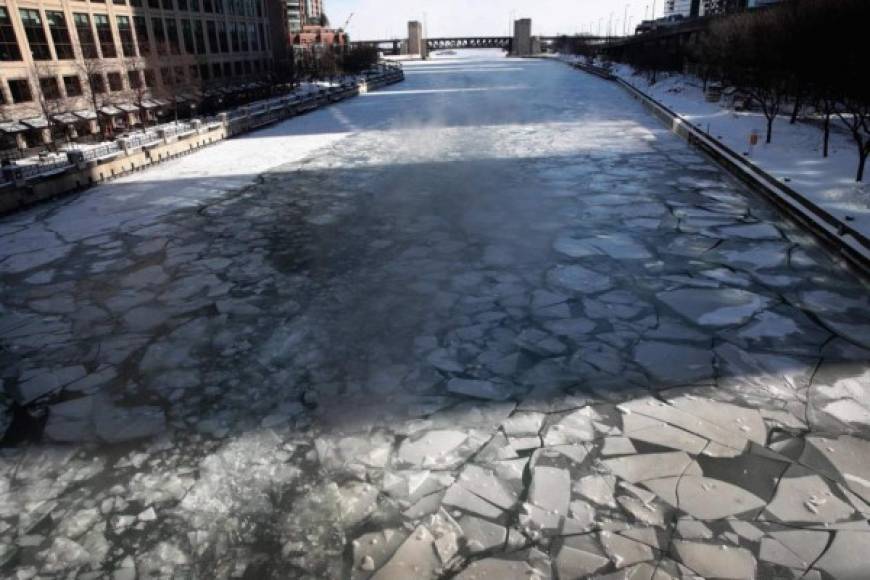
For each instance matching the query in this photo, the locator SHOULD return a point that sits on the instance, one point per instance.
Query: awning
(36, 122)
(86, 115)
(161, 102)
(65, 118)
(149, 104)
(12, 127)
(128, 107)
(110, 110)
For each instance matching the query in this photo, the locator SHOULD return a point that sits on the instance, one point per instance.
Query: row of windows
(20, 90)
(250, 8)
(222, 37)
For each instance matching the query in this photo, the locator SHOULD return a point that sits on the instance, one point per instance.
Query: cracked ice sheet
(319, 359)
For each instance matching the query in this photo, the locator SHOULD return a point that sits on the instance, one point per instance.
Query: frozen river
(493, 322)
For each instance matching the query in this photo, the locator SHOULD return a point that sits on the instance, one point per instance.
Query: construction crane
(347, 22)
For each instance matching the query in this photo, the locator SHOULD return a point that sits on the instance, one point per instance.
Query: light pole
(625, 22)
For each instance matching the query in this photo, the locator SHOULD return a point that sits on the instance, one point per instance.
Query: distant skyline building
(314, 11)
(302, 13)
(696, 8)
(295, 15)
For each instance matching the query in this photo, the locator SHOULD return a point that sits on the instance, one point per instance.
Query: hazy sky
(375, 19)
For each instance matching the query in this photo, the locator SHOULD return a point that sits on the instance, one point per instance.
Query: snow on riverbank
(795, 153)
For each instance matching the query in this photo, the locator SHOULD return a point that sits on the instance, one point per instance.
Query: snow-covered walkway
(492, 322)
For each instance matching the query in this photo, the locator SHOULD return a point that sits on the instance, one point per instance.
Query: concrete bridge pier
(524, 44)
(416, 42)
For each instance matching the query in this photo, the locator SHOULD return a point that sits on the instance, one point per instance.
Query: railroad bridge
(415, 41)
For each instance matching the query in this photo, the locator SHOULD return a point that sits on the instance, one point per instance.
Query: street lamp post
(625, 22)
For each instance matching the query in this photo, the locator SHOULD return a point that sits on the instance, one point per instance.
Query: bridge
(394, 44)
(503, 42)
(519, 44)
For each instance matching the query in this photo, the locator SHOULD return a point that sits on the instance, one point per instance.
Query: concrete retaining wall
(83, 175)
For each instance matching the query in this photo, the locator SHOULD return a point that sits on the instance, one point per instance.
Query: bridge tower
(522, 43)
(416, 42)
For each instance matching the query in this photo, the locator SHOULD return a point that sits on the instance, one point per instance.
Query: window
(211, 27)
(35, 33)
(72, 85)
(262, 40)
(150, 78)
(200, 36)
(187, 34)
(119, 2)
(203, 72)
(216, 70)
(19, 90)
(182, 4)
(228, 69)
(243, 36)
(125, 33)
(104, 34)
(97, 83)
(134, 77)
(172, 35)
(194, 5)
(154, 4)
(49, 87)
(136, 3)
(252, 34)
(194, 72)
(207, 6)
(159, 35)
(8, 42)
(86, 35)
(238, 68)
(141, 27)
(115, 82)
(234, 36)
(179, 75)
(166, 76)
(167, 5)
(256, 66)
(222, 37)
(259, 8)
(60, 35)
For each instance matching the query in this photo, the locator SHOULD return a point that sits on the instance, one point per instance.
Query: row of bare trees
(797, 57)
(332, 61)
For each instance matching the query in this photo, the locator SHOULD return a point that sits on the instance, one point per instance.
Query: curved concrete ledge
(841, 238)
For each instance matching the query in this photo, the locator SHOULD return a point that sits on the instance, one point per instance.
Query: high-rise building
(72, 62)
(314, 11)
(295, 15)
(684, 8)
(695, 8)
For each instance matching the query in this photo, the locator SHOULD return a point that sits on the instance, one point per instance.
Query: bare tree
(855, 114)
(179, 81)
(139, 91)
(94, 71)
(48, 98)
